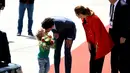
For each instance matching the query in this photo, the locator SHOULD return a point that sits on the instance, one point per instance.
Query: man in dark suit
(5, 56)
(64, 30)
(128, 2)
(2, 4)
(120, 33)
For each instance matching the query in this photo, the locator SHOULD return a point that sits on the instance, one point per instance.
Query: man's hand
(68, 43)
(2, 8)
(122, 40)
(56, 35)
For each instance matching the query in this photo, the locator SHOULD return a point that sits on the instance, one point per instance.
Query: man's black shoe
(30, 34)
(18, 34)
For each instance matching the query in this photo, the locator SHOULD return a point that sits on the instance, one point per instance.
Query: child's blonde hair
(40, 34)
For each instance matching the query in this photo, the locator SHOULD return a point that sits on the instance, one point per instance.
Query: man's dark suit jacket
(2, 4)
(121, 22)
(63, 24)
(128, 2)
(5, 57)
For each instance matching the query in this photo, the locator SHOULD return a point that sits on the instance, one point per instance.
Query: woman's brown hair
(82, 10)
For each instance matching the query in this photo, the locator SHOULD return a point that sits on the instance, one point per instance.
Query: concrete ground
(23, 48)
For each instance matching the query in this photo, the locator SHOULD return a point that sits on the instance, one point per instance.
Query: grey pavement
(24, 49)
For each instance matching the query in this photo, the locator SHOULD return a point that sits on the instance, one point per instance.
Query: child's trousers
(44, 65)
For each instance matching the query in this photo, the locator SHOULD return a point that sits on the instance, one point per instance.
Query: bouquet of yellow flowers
(47, 42)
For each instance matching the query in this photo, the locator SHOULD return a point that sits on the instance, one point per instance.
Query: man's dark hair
(47, 23)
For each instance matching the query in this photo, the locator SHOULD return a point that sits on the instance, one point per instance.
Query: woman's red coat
(97, 34)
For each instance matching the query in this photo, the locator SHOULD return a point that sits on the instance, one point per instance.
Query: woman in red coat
(99, 41)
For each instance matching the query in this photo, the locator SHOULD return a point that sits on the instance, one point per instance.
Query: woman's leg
(99, 65)
(95, 65)
(92, 60)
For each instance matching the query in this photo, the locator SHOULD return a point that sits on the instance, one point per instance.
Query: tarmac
(24, 49)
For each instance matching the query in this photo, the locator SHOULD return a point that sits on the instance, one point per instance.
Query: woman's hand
(89, 46)
(96, 47)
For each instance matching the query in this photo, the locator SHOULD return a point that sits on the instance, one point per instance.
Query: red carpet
(80, 61)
